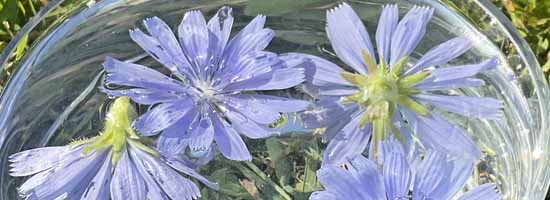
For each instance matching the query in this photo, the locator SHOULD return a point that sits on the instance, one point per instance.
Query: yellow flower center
(381, 91)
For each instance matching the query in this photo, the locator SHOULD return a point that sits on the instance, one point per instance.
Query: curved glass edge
(539, 179)
(540, 176)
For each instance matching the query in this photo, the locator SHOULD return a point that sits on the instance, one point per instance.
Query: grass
(531, 18)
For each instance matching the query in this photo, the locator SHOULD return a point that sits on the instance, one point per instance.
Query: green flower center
(117, 132)
(381, 91)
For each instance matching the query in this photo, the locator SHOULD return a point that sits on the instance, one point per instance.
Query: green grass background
(531, 18)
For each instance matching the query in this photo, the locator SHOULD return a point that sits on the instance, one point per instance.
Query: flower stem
(262, 175)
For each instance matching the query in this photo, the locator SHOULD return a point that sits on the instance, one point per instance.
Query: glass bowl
(53, 98)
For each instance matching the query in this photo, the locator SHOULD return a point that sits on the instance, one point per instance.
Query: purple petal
(167, 145)
(256, 41)
(431, 172)
(440, 177)
(324, 72)
(253, 37)
(406, 147)
(173, 140)
(323, 112)
(170, 57)
(220, 25)
(275, 80)
(367, 173)
(72, 156)
(229, 142)
(282, 79)
(441, 54)
(144, 96)
(247, 127)
(295, 60)
(464, 71)
(179, 165)
(26, 188)
(484, 192)
(340, 182)
(409, 32)
(478, 107)
(386, 27)
(397, 175)
(36, 160)
(279, 104)
(99, 187)
(127, 182)
(154, 191)
(337, 91)
(168, 43)
(262, 109)
(193, 34)
(322, 195)
(172, 183)
(247, 66)
(437, 133)
(360, 181)
(202, 136)
(134, 75)
(349, 37)
(350, 141)
(68, 177)
(162, 116)
(430, 84)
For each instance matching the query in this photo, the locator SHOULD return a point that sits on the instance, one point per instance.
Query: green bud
(117, 131)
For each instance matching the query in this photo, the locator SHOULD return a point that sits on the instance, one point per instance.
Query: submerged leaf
(279, 7)
(280, 162)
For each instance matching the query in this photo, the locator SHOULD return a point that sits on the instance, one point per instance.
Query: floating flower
(115, 164)
(209, 96)
(436, 176)
(391, 95)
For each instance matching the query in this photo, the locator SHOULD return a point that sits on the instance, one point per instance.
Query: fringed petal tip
(409, 32)
(349, 38)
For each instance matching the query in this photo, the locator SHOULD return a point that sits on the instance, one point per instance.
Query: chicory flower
(114, 165)
(209, 97)
(392, 94)
(436, 176)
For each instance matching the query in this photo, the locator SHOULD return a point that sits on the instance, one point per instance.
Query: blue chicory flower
(436, 176)
(114, 165)
(209, 97)
(392, 95)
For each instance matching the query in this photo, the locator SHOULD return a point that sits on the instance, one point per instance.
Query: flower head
(436, 176)
(209, 96)
(115, 164)
(390, 93)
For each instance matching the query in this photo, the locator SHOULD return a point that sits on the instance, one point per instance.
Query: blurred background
(530, 17)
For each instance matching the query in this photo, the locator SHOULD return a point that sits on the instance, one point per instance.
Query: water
(53, 97)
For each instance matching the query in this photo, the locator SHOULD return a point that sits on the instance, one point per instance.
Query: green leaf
(21, 48)
(9, 11)
(278, 156)
(309, 183)
(279, 7)
(302, 37)
(546, 66)
(263, 183)
(229, 186)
